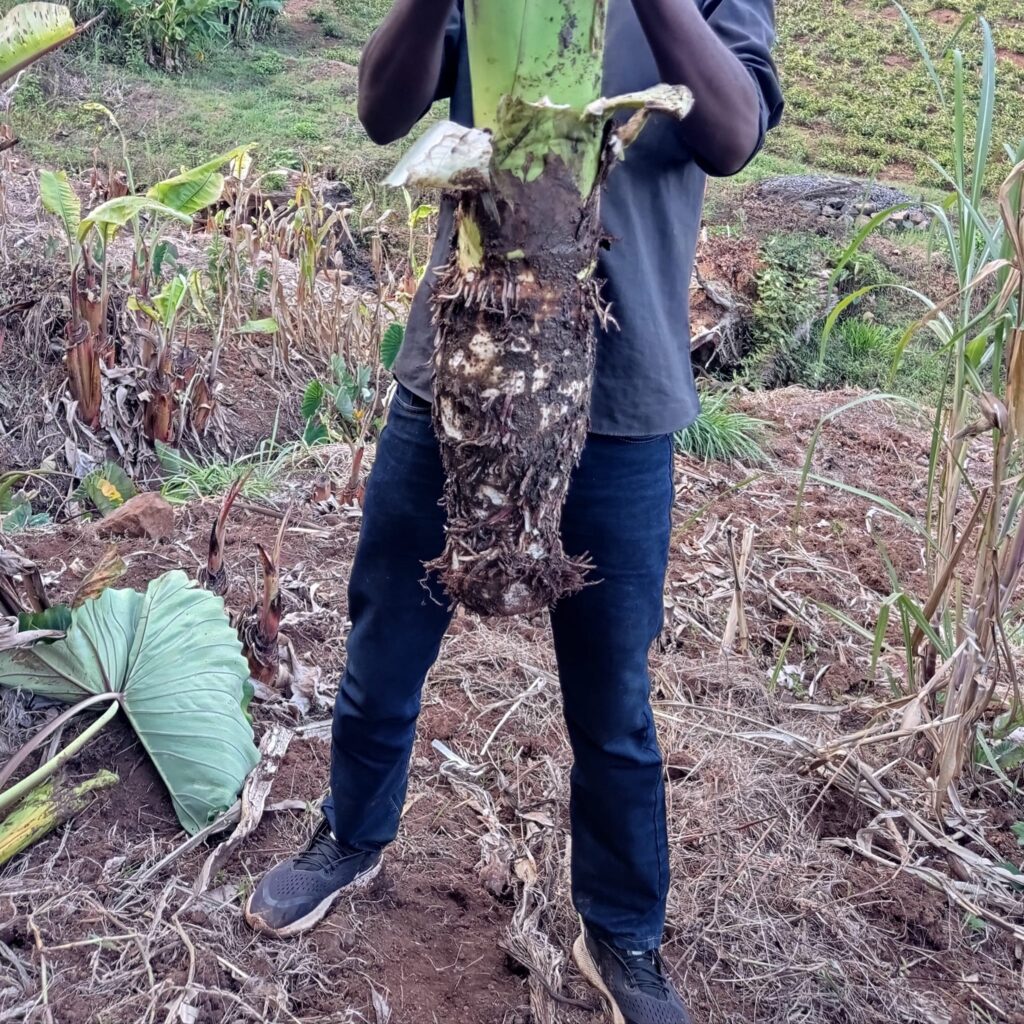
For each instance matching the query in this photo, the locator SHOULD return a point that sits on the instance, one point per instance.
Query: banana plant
(170, 662)
(517, 302)
(30, 31)
(179, 198)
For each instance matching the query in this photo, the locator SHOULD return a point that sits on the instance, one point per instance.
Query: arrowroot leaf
(177, 666)
(448, 156)
(391, 345)
(28, 32)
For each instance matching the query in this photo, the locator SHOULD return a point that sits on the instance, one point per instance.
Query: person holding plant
(620, 499)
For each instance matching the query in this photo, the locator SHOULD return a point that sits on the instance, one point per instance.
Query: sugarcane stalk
(44, 809)
(517, 304)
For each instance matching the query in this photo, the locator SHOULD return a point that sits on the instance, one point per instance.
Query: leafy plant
(336, 409)
(722, 434)
(107, 488)
(171, 662)
(955, 652)
(259, 472)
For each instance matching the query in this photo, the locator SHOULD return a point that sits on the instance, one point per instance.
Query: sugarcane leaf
(30, 31)
(312, 399)
(59, 199)
(174, 659)
(391, 345)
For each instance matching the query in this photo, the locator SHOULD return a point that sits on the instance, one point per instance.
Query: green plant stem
(43, 810)
(48, 730)
(11, 796)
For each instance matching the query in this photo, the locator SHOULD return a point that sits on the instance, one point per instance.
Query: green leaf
(344, 404)
(176, 663)
(315, 433)
(108, 217)
(21, 517)
(312, 399)
(60, 200)
(1018, 830)
(267, 326)
(108, 487)
(30, 31)
(190, 192)
(56, 617)
(391, 345)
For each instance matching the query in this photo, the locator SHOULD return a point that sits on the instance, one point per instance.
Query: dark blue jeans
(618, 512)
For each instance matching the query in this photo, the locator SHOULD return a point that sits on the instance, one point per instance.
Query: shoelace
(645, 971)
(323, 851)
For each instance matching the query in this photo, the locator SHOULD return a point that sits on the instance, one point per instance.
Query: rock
(808, 206)
(917, 217)
(899, 216)
(862, 221)
(830, 211)
(146, 515)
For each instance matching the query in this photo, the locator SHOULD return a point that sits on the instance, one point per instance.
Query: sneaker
(298, 893)
(633, 984)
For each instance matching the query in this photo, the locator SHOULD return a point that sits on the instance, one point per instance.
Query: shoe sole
(316, 915)
(585, 962)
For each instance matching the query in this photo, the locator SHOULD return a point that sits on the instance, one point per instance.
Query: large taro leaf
(177, 664)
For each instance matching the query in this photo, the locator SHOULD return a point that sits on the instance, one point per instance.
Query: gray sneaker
(633, 984)
(298, 893)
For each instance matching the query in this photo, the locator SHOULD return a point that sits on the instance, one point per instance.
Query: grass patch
(858, 97)
(723, 434)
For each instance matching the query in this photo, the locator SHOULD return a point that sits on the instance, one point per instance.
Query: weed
(723, 434)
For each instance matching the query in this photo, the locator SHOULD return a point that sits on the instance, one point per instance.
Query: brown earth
(767, 915)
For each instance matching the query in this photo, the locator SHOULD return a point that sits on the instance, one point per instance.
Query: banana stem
(11, 796)
(43, 810)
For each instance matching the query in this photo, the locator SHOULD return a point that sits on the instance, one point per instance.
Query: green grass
(858, 97)
(291, 96)
(723, 434)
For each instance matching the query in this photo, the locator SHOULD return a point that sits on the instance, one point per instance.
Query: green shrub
(172, 33)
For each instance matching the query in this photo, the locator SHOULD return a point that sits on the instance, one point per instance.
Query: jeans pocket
(643, 439)
(411, 403)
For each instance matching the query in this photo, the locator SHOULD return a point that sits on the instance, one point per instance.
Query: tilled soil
(769, 920)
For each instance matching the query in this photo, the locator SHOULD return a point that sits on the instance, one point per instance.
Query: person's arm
(402, 66)
(725, 62)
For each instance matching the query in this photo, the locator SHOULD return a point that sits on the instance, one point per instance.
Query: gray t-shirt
(651, 209)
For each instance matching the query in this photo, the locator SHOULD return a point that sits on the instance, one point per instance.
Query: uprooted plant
(517, 302)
